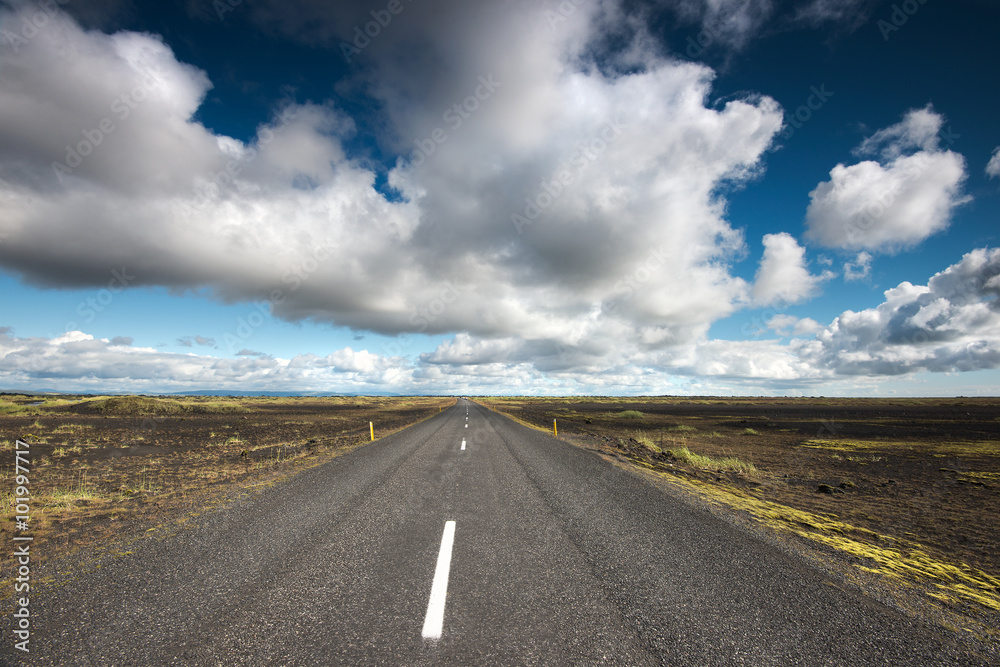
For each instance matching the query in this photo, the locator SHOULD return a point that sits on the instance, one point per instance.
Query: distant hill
(201, 392)
(233, 392)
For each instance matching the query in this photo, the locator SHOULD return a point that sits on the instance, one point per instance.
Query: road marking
(463, 445)
(466, 426)
(434, 621)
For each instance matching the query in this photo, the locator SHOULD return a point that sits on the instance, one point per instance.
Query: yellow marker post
(555, 430)
(372, 427)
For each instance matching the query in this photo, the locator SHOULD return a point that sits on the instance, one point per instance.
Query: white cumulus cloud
(895, 202)
(612, 282)
(993, 166)
(950, 324)
(79, 362)
(860, 267)
(789, 325)
(604, 164)
(783, 275)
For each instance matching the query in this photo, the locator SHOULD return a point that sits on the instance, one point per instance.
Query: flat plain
(107, 470)
(898, 496)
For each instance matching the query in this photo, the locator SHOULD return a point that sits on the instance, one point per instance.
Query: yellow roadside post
(555, 429)
(372, 427)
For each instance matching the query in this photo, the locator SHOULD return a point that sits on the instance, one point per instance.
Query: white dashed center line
(463, 445)
(434, 621)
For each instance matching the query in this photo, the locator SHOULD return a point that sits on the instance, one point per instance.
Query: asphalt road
(558, 557)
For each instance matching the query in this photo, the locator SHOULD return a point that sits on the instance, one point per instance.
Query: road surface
(467, 539)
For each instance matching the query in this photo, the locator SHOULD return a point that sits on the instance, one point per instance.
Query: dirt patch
(106, 470)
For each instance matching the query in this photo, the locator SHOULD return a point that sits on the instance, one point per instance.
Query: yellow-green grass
(62, 497)
(989, 476)
(685, 455)
(10, 408)
(30, 405)
(974, 477)
(725, 464)
(954, 448)
(134, 405)
(902, 561)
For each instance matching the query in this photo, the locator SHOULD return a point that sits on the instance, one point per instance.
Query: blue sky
(588, 196)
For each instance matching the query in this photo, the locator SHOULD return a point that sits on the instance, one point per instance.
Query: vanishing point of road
(467, 539)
